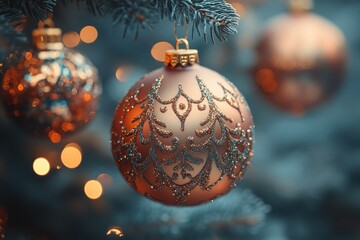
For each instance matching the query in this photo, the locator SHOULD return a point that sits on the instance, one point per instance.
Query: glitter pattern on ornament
(183, 134)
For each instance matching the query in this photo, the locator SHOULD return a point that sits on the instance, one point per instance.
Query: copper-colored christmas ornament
(301, 59)
(183, 134)
(50, 90)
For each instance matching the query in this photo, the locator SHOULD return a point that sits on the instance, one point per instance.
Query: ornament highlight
(301, 59)
(50, 90)
(183, 134)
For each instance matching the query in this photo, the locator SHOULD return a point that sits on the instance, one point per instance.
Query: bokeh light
(71, 155)
(120, 73)
(159, 49)
(115, 231)
(41, 166)
(54, 136)
(88, 34)
(105, 179)
(71, 39)
(266, 79)
(68, 127)
(93, 189)
(28, 55)
(125, 76)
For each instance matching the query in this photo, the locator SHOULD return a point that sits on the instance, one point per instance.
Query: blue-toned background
(306, 169)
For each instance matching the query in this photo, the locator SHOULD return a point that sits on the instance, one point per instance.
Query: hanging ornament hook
(183, 39)
(181, 57)
(180, 41)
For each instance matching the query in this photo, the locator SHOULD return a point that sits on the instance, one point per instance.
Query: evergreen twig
(92, 6)
(132, 14)
(214, 17)
(37, 9)
(217, 15)
(10, 36)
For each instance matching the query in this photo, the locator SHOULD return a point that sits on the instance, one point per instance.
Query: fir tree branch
(9, 35)
(132, 14)
(13, 13)
(38, 9)
(93, 6)
(217, 15)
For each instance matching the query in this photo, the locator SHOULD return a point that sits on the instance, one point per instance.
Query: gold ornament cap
(300, 5)
(47, 37)
(181, 57)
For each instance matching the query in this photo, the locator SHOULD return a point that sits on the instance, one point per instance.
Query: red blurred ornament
(50, 90)
(183, 134)
(301, 59)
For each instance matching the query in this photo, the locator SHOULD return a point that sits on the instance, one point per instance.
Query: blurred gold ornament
(115, 231)
(50, 90)
(301, 59)
(183, 134)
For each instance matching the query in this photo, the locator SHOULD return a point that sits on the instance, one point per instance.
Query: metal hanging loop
(181, 57)
(180, 41)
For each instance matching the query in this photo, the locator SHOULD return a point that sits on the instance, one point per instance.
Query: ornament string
(183, 39)
(186, 30)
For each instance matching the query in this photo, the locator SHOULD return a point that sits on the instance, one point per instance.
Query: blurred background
(304, 181)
